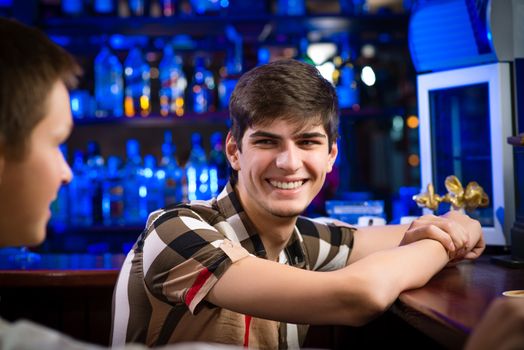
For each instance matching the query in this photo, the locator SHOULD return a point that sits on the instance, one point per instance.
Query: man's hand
(460, 235)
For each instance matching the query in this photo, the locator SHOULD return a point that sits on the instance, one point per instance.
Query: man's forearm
(401, 268)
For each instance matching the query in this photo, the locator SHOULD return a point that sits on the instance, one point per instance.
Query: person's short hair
(285, 89)
(30, 65)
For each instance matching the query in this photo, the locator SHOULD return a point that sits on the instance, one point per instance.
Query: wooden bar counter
(77, 301)
(451, 304)
(68, 292)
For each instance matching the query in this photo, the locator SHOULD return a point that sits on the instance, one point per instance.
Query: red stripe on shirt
(247, 320)
(199, 282)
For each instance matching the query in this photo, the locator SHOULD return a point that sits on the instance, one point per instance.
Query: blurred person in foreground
(35, 119)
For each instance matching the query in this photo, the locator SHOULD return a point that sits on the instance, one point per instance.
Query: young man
(245, 268)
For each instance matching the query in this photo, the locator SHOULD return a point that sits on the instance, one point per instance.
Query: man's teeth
(287, 185)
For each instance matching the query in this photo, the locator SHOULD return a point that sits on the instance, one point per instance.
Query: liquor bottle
(202, 87)
(173, 83)
(72, 8)
(137, 90)
(346, 86)
(113, 194)
(109, 84)
(104, 7)
(291, 7)
(175, 186)
(233, 68)
(81, 205)
(137, 7)
(168, 8)
(154, 184)
(197, 170)
(208, 7)
(218, 166)
(135, 192)
(96, 173)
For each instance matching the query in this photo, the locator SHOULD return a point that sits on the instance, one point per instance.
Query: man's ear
(232, 151)
(332, 156)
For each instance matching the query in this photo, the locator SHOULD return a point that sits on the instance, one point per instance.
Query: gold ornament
(470, 198)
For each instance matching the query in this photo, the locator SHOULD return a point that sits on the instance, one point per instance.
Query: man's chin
(287, 213)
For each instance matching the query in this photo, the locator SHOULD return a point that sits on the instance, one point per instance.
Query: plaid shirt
(184, 250)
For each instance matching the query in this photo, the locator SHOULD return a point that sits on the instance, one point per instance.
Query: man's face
(281, 168)
(28, 186)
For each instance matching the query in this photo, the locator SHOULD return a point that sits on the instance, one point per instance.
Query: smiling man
(245, 268)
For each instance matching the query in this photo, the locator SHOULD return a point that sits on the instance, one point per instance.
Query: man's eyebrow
(310, 135)
(304, 135)
(264, 134)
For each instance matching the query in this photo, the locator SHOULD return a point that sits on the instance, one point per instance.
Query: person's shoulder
(204, 211)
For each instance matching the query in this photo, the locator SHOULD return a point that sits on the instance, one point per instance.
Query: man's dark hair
(30, 65)
(286, 89)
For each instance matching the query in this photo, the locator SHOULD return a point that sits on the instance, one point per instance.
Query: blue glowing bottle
(153, 183)
(346, 86)
(218, 168)
(202, 87)
(137, 82)
(175, 188)
(80, 194)
(96, 173)
(173, 83)
(135, 192)
(291, 7)
(109, 84)
(113, 194)
(72, 7)
(104, 7)
(197, 170)
(233, 68)
(137, 7)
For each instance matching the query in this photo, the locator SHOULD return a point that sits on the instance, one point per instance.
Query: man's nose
(67, 173)
(289, 159)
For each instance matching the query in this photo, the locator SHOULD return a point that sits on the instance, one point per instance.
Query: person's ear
(232, 151)
(332, 157)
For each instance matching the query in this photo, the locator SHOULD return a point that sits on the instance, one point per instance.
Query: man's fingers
(435, 233)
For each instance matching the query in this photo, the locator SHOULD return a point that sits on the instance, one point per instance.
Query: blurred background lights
(412, 122)
(321, 52)
(368, 76)
(326, 70)
(368, 51)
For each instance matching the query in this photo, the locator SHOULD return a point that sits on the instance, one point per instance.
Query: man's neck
(274, 234)
(274, 231)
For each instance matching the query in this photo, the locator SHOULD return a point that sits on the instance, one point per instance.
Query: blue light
(142, 191)
(60, 40)
(75, 105)
(148, 172)
(117, 41)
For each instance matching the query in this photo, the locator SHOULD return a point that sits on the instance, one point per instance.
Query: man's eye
(264, 142)
(309, 142)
